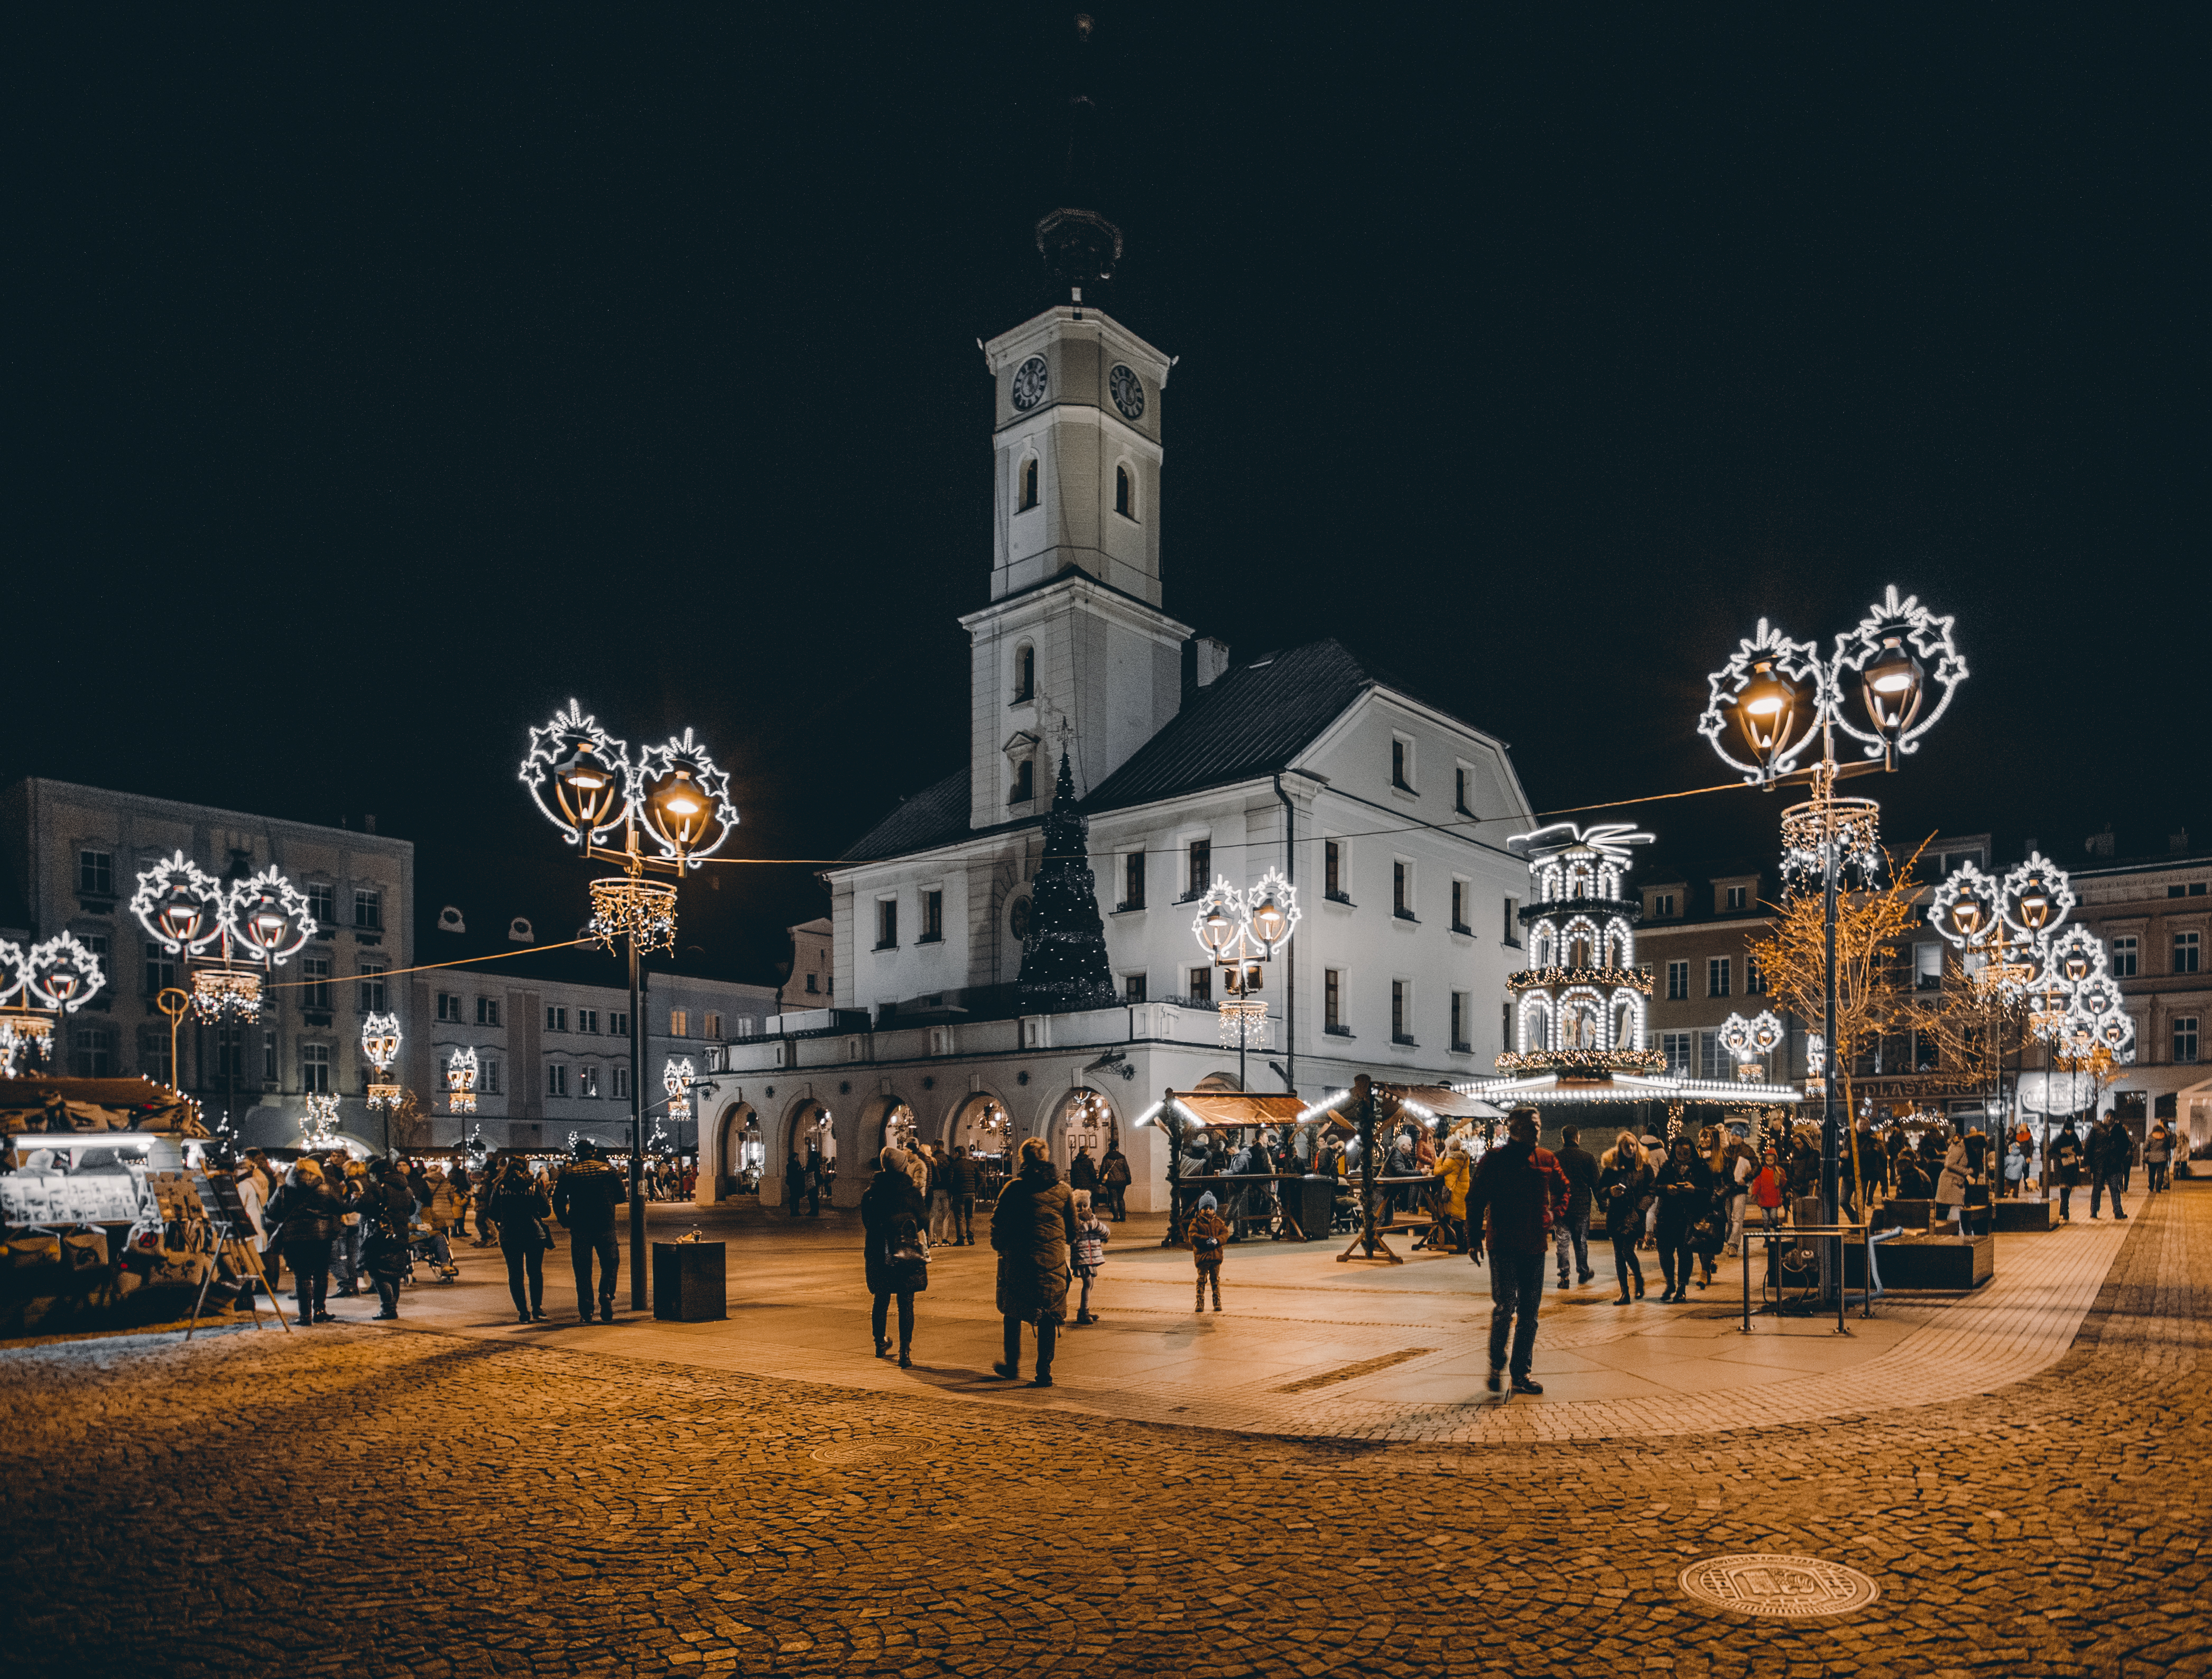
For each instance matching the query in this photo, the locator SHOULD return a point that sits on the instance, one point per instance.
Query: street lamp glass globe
(588, 786)
(1891, 687)
(1767, 712)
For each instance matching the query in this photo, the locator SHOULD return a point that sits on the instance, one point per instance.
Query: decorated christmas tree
(1063, 963)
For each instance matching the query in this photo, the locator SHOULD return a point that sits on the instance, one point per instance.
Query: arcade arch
(981, 1125)
(1084, 1118)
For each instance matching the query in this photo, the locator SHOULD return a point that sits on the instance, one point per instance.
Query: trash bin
(687, 1286)
(1317, 1206)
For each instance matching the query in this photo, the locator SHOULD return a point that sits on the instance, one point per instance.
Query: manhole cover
(1760, 1582)
(867, 1451)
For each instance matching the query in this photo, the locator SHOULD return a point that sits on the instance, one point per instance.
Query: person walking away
(1579, 1166)
(1625, 1187)
(1092, 1237)
(518, 1208)
(940, 1197)
(2158, 1149)
(305, 1217)
(347, 1184)
(1685, 1187)
(1032, 1229)
(2109, 1149)
(1517, 1193)
(1740, 1166)
(965, 1177)
(1951, 1184)
(794, 1182)
(2066, 1163)
(584, 1200)
(1209, 1237)
(895, 1249)
(387, 1208)
(1083, 1171)
(812, 1176)
(1453, 1170)
(1114, 1178)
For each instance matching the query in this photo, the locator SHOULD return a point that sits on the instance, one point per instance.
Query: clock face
(1029, 383)
(1128, 392)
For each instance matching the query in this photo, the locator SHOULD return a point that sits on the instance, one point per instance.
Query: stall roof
(98, 1104)
(1422, 1101)
(1237, 1107)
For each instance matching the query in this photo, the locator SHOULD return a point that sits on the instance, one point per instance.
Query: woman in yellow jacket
(1453, 1169)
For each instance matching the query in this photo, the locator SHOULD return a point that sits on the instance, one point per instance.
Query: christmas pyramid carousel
(1580, 1005)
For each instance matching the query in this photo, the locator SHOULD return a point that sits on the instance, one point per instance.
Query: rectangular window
(323, 904)
(2171, 892)
(679, 1023)
(1663, 905)
(1505, 1027)
(1401, 764)
(1460, 1002)
(557, 1080)
(1678, 981)
(153, 1058)
(1332, 872)
(1133, 987)
(488, 1074)
(449, 1006)
(1512, 936)
(1201, 866)
(588, 1081)
(1675, 1046)
(95, 875)
(368, 910)
(1401, 1008)
(813, 982)
(618, 1023)
(1717, 977)
(1713, 1060)
(1332, 1001)
(1201, 987)
(1738, 897)
(316, 992)
(2184, 1038)
(2184, 952)
(1460, 803)
(711, 1026)
(230, 1052)
(315, 1069)
(587, 1019)
(622, 1084)
(1458, 908)
(557, 1016)
(370, 988)
(160, 970)
(2123, 957)
(1928, 966)
(932, 921)
(1754, 977)
(486, 1011)
(269, 1059)
(92, 1052)
(886, 923)
(1132, 881)
(1401, 890)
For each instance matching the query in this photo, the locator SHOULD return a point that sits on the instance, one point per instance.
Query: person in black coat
(1624, 1188)
(518, 1206)
(304, 1215)
(1685, 1188)
(1572, 1231)
(585, 1199)
(895, 1223)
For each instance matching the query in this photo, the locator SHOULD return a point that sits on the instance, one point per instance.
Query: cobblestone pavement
(428, 1504)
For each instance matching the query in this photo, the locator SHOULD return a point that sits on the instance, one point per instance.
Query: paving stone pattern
(357, 1500)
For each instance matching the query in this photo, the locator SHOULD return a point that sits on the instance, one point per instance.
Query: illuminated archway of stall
(1084, 1118)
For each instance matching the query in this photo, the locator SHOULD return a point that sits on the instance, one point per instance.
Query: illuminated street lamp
(671, 808)
(1758, 720)
(379, 1042)
(37, 987)
(1241, 933)
(461, 1082)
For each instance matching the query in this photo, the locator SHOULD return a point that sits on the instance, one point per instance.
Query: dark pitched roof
(1253, 721)
(936, 816)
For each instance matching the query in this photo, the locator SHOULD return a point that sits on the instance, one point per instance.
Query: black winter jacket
(586, 1195)
(295, 1214)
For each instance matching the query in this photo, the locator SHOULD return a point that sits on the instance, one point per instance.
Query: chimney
(368, 824)
(2100, 845)
(2178, 841)
(1204, 659)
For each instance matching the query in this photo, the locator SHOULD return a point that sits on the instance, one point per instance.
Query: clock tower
(1073, 652)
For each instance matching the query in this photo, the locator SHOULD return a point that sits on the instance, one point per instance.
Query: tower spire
(1080, 245)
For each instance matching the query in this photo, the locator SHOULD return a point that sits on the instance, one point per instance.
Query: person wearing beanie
(1209, 1235)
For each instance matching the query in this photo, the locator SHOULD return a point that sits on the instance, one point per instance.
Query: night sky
(382, 379)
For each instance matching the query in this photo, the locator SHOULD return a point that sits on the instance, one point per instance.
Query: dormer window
(1738, 897)
(1024, 673)
(1125, 494)
(1029, 484)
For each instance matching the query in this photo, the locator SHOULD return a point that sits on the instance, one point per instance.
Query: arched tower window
(1024, 673)
(1024, 783)
(1124, 494)
(1029, 484)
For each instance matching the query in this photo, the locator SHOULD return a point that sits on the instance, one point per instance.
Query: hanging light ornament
(38, 985)
(676, 1078)
(461, 1083)
(379, 1042)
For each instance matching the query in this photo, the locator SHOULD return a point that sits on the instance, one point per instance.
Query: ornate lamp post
(461, 1082)
(37, 987)
(1774, 698)
(671, 807)
(1242, 931)
(379, 1042)
(251, 926)
(1751, 1042)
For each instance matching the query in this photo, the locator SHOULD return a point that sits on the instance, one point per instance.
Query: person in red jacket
(1517, 1195)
